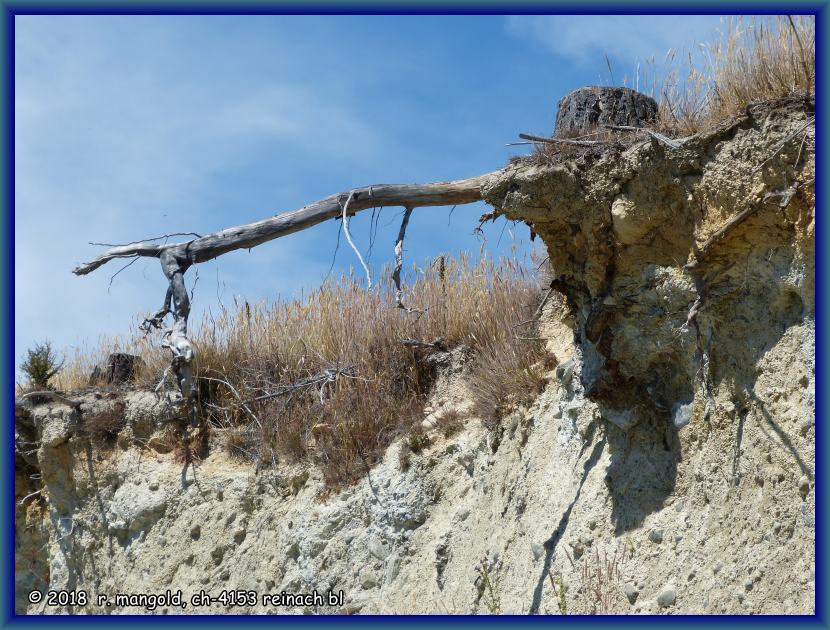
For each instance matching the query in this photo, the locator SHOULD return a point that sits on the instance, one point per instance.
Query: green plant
(488, 589)
(559, 592)
(417, 440)
(41, 365)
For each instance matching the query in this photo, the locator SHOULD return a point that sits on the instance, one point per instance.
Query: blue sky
(129, 127)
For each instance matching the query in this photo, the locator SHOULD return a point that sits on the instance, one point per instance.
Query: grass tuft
(755, 59)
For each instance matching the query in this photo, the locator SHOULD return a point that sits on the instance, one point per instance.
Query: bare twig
(112, 277)
(537, 312)
(581, 143)
(351, 242)
(449, 216)
(148, 240)
(674, 144)
(336, 249)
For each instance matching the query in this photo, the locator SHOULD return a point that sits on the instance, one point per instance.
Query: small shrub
(40, 365)
(506, 374)
(417, 440)
(488, 587)
(404, 457)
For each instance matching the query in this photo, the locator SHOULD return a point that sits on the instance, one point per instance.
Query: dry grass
(507, 375)
(600, 577)
(450, 422)
(754, 59)
(326, 377)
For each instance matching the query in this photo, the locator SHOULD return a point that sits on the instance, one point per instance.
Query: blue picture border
(7, 14)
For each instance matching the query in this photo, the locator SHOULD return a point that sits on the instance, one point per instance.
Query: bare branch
(147, 240)
(49, 394)
(176, 258)
(112, 277)
(323, 378)
(175, 339)
(246, 236)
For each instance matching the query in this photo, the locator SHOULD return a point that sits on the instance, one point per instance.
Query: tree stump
(120, 368)
(586, 108)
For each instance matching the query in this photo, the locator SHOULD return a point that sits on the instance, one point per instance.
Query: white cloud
(584, 39)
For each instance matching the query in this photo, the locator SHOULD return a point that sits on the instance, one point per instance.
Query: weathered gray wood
(396, 274)
(120, 368)
(175, 338)
(579, 143)
(245, 236)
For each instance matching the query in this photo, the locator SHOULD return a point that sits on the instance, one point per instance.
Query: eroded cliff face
(674, 443)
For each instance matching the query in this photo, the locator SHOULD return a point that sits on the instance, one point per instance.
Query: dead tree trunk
(176, 258)
(213, 245)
